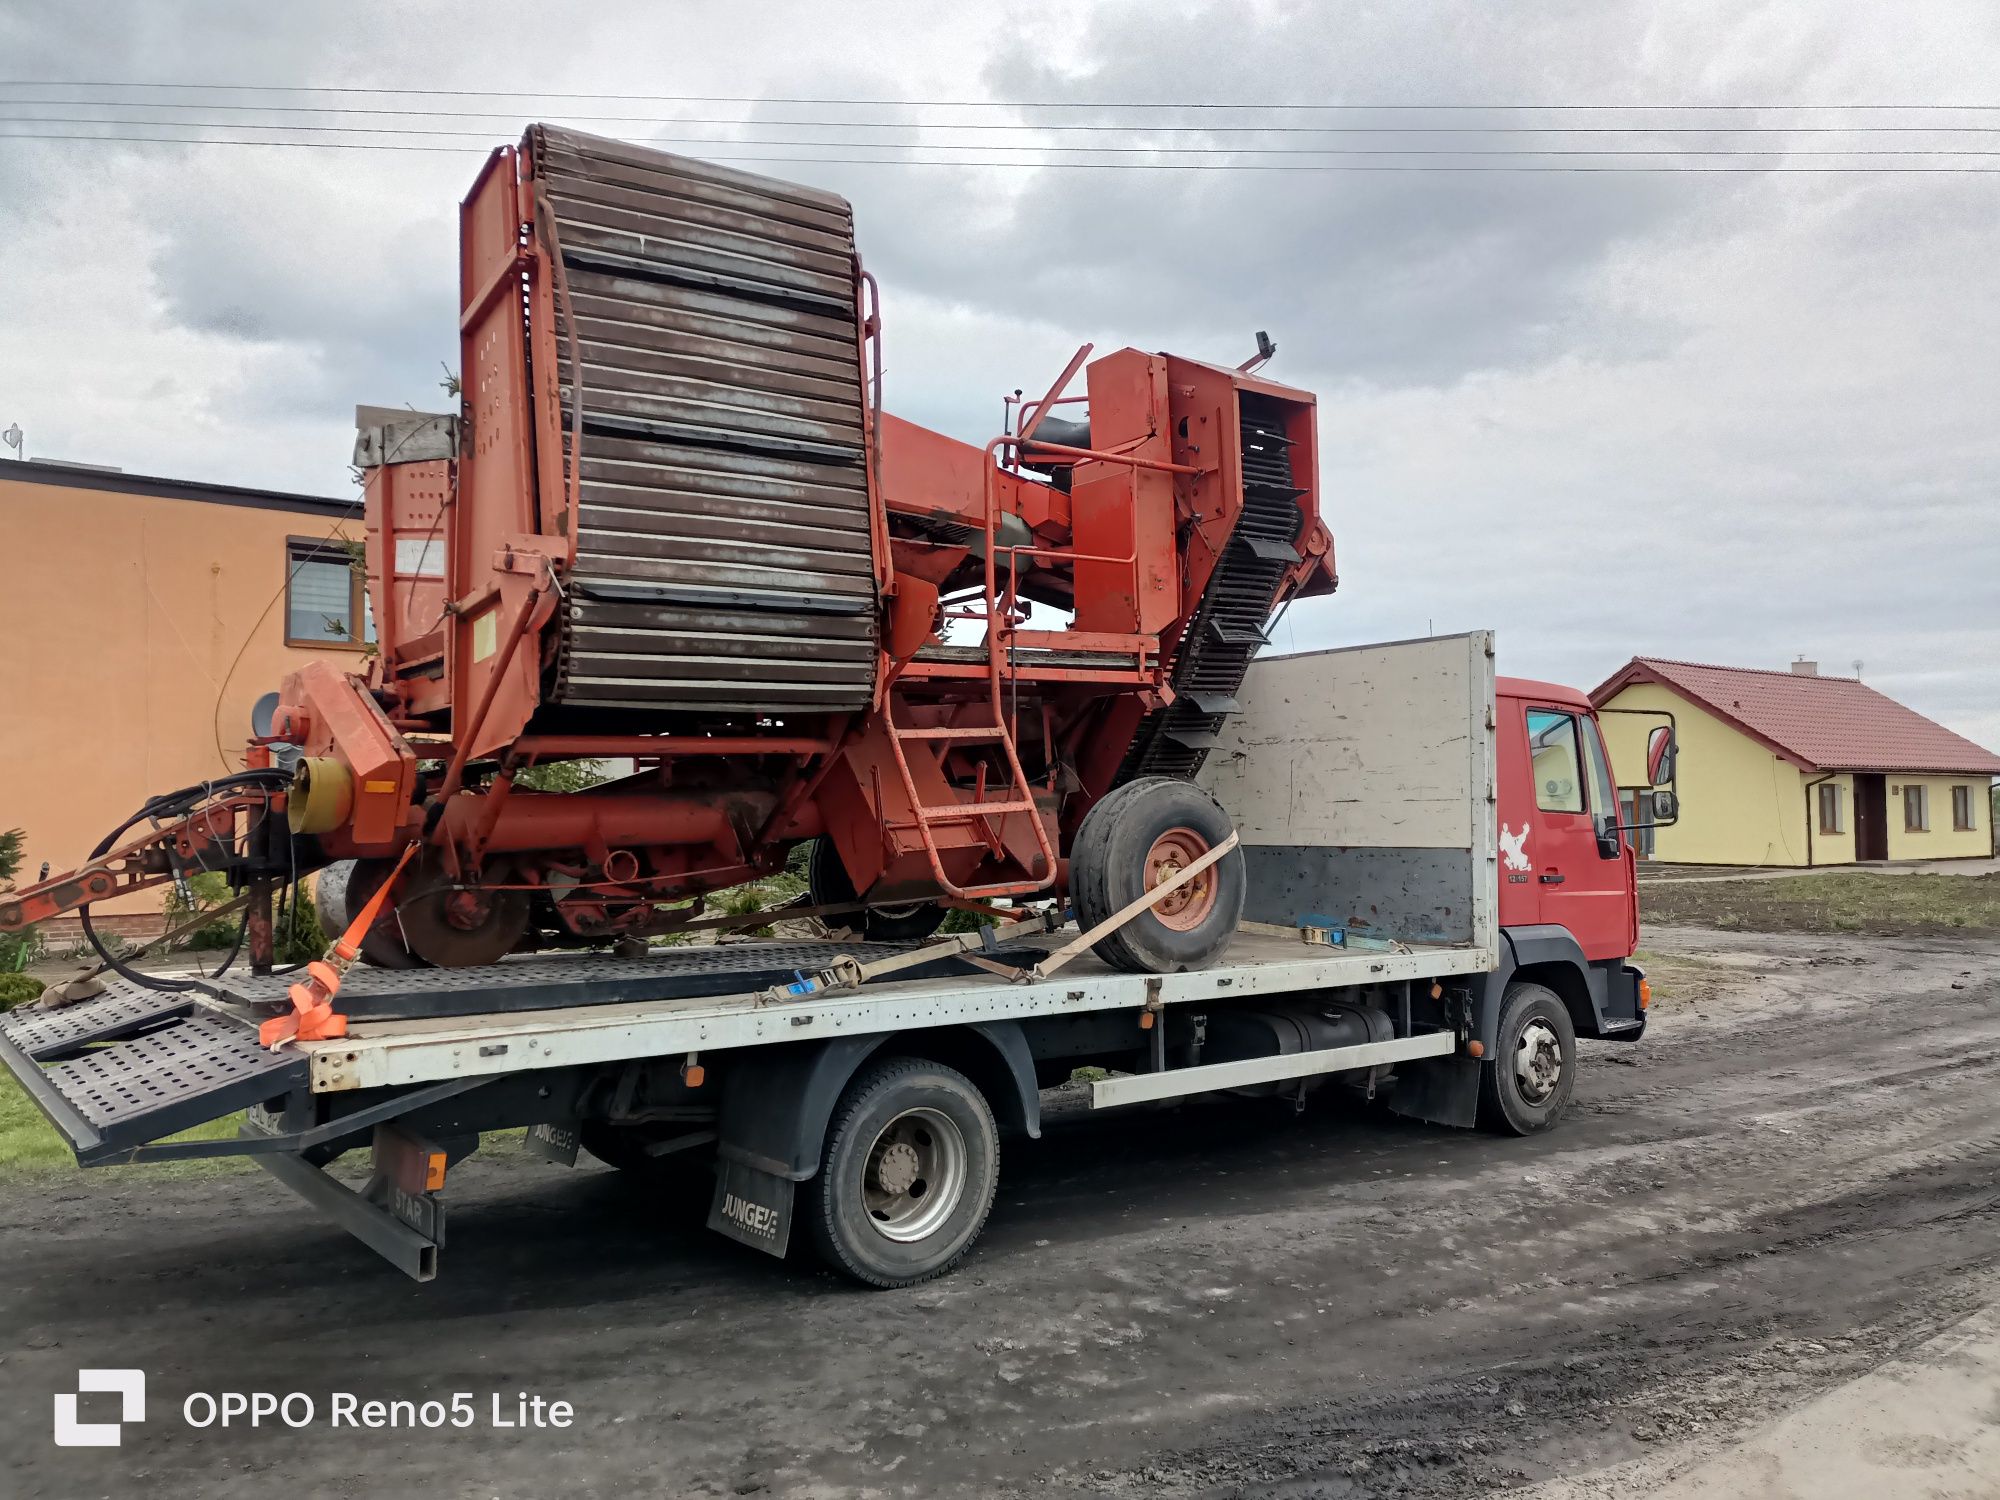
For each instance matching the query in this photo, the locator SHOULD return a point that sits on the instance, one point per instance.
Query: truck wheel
(1526, 1084)
(906, 1176)
(828, 884)
(1137, 837)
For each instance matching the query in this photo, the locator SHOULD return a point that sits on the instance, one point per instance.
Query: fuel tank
(1235, 1034)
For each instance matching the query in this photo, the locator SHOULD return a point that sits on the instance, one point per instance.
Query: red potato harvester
(671, 524)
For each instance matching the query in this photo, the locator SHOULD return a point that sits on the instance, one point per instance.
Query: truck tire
(1526, 1084)
(828, 884)
(1129, 842)
(906, 1175)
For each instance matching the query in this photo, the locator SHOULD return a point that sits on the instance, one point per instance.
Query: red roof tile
(1822, 723)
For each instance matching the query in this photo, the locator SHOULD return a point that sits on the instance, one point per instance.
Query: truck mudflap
(753, 1207)
(133, 1065)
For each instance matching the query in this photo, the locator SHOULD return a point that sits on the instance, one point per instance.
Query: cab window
(1602, 802)
(1552, 749)
(1601, 773)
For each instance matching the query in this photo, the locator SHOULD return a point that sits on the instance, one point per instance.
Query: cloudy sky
(1727, 416)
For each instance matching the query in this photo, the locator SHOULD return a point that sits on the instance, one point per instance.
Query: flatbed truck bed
(868, 1115)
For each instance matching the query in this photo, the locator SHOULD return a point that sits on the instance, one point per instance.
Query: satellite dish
(263, 713)
(12, 437)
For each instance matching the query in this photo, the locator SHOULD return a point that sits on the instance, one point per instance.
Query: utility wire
(1054, 127)
(1088, 166)
(1094, 150)
(963, 103)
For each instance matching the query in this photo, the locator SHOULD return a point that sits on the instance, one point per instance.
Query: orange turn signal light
(693, 1074)
(1645, 993)
(1145, 1020)
(1475, 1048)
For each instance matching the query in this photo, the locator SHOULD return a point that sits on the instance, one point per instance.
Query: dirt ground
(1871, 903)
(1791, 1182)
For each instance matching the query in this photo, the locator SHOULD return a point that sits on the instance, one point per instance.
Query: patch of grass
(18, 989)
(1861, 902)
(741, 902)
(957, 920)
(1680, 978)
(30, 1147)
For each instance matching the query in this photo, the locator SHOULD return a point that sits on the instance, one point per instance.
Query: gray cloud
(1721, 417)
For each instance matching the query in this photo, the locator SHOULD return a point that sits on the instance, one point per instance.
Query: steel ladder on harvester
(1005, 646)
(978, 812)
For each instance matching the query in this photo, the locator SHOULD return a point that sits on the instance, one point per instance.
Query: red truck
(1439, 900)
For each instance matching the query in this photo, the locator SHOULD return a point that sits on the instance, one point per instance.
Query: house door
(1871, 817)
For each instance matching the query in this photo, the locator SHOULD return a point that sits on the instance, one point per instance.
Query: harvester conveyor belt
(724, 558)
(1228, 627)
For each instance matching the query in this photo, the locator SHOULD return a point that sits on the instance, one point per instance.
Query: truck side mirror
(1661, 753)
(1666, 808)
(1607, 827)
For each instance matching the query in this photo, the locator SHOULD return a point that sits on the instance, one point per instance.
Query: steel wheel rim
(1188, 907)
(915, 1175)
(1538, 1061)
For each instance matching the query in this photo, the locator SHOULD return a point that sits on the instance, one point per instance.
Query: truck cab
(1568, 878)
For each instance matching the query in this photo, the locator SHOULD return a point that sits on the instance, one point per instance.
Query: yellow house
(1795, 769)
(141, 620)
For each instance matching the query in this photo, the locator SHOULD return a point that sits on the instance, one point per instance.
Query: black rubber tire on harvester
(1108, 872)
(827, 883)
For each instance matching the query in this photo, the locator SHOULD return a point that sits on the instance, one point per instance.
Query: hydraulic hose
(173, 805)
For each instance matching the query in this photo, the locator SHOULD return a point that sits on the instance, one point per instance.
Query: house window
(326, 596)
(1636, 813)
(1916, 808)
(1961, 809)
(1552, 749)
(1831, 814)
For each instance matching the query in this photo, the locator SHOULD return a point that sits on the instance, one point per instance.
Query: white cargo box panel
(1361, 782)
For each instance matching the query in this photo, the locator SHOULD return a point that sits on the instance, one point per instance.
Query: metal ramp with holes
(134, 1065)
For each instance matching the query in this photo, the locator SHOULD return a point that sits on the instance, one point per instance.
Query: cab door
(1579, 859)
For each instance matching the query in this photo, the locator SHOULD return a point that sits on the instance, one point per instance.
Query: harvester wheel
(459, 927)
(1138, 837)
(827, 883)
(339, 893)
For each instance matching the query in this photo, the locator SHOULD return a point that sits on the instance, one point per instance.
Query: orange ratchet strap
(313, 1018)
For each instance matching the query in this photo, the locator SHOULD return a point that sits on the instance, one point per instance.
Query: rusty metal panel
(497, 473)
(723, 555)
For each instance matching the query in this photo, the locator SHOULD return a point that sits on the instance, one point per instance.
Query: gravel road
(1793, 1179)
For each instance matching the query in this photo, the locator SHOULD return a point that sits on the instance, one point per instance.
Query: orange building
(141, 620)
